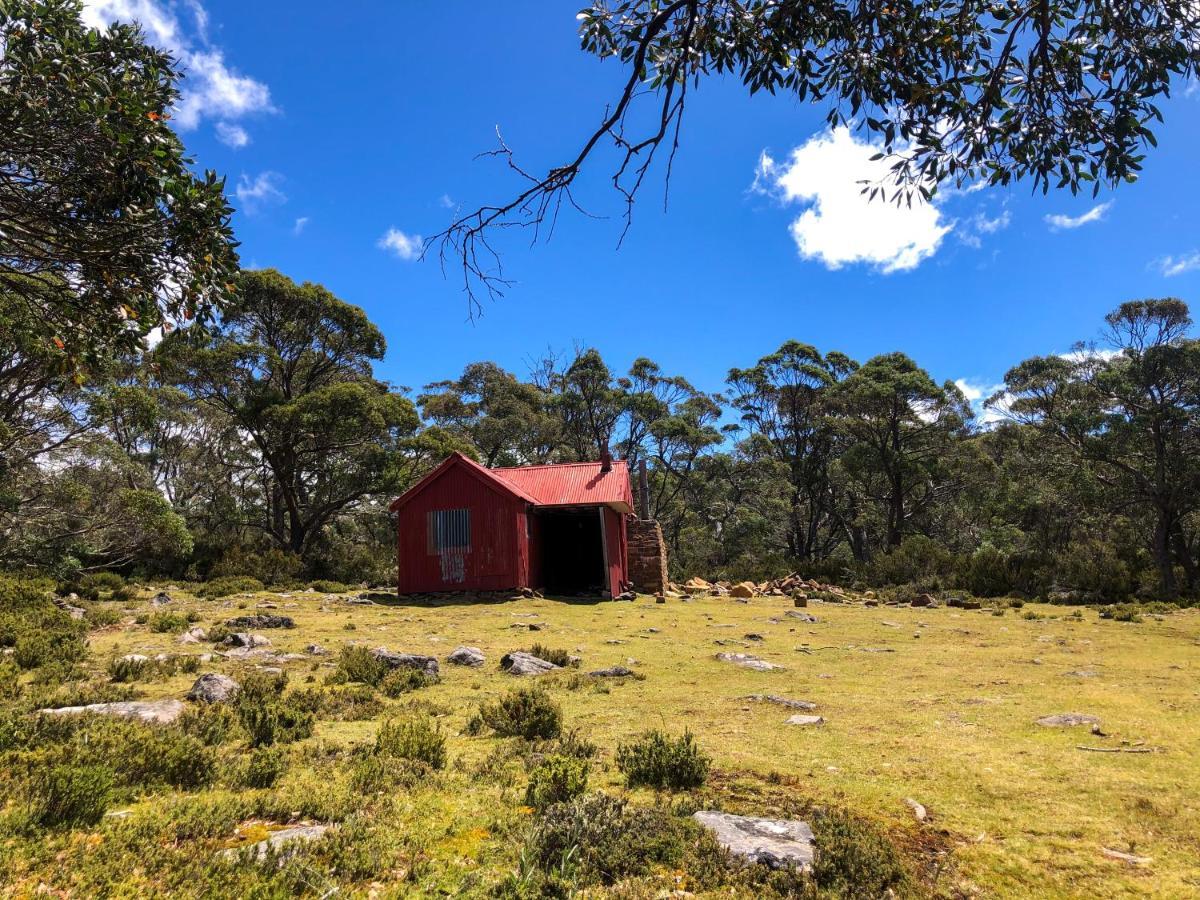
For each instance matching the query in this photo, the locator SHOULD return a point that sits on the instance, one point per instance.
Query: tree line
(263, 443)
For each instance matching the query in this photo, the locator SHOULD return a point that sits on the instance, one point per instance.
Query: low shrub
(267, 716)
(855, 860)
(556, 779)
(101, 616)
(357, 663)
(125, 669)
(656, 760)
(596, 838)
(416, 738)
(403, 680)
(39, 633)
(329, 587)
(210, 723)
(527, 712)
(230, 584)
(558, 657)
(100, 582)
(170, 622)
(347, 703)
(69, 795)
(263, 768)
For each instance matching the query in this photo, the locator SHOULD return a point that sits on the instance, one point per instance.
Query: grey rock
(802, 616)
(612, 672)
(316, 650)
(753, 636)
(804, 720)
(626, 596)
(747, 661)
(394, 660)
(278, 843)
(135, 658)
(781, 701)
(152, 712)
(466, 656)
(75, 612)
(247, 622)
(214, 688)
(195, 635)
(773, 842)
(1067, 720)
(246, 640)
(162, 598)
(521, 663)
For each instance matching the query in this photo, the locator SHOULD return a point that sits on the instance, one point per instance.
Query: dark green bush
(210, 723)
(357, 663)
(267, 715)
(556, 779)
(527, 712)
(329, 587)
(401, 681)
(130, 668)
(101, 582)
(39, 632)
(170, 622)
(659, 761)
(416, 738)
(101, 616)
(69, 795)
(596, 838)
(233, 584)
(854, 860)
(263, 767)
(345, 703)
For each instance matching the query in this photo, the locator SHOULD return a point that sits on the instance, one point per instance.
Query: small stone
(746, 661)
(245, 640)
(801, 616)
(466, 656)
(521, 663)
(781, 701)
(214, 688)
(1067, 720)
(805, 720)
(1127, 857)
(315, 650)
(917, 808)
(612, 672)
(394, 660)
(754, 636)
(162, 598)
(277, 843)
(194, 635)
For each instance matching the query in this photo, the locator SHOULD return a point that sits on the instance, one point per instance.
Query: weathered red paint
(505, 530)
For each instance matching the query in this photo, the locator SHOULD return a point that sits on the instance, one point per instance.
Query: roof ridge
(557, 465)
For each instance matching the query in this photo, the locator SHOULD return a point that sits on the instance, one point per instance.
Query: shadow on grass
(434, 601)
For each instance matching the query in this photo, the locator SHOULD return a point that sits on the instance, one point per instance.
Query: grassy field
(934, 705)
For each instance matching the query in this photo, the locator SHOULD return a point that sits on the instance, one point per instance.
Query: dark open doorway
(572, 551)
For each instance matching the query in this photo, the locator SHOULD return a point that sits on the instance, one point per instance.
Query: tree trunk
(1162, 555)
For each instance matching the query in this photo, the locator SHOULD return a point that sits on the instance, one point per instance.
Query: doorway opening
(573, 551)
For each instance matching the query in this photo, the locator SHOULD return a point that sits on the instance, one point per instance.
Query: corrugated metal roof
(457, 459)
(573, 484)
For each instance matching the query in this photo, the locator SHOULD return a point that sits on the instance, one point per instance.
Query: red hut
(560, 528)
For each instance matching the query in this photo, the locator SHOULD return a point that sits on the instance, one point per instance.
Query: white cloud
(839, 224)
(255, 193)
(301, 222)
(446, 201)
(971, 230)
(977, 394)
(1171, 266)
(405, 246)
(211, 90)
(231, 135)
(1097, 213)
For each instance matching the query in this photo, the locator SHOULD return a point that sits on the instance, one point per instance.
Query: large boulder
(773, 842)
(267, 621)
(744, 590)
(466, 656)
(748, 661)
(152, 712)
(162, 598)
(612, 672)
(521, 663)
(394, 660)
(214, 688)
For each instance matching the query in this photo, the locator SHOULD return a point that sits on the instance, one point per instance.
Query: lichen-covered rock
(261, 621)
(194, 635)
(466, 656)
(152, 712)
(804, 720)
(781, 701)
(247, 641)
(612, 672)
(213, 687)
(394, 660)
(771, 842)
(748, 661)
(521, 663)
(1067, 720)
(278, 842)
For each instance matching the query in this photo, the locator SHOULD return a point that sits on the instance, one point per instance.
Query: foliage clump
(660, 761)
(231, 584)
(267, 715)
(417, 738)
(526, 712)
(556, 779)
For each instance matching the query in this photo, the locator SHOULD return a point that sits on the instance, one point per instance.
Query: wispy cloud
(1171, 266)
(446, 202)
(213, 89)
(300, 225)
(972, 229)
(1058, 222)
(232, 135)
(404, 246)
(254, 193)
(840, 225)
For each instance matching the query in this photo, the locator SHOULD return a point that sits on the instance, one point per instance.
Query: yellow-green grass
(945, 717)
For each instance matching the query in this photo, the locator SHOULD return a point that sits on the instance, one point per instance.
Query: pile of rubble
(790, 586)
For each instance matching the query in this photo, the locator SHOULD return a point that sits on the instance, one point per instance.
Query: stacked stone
(647, 556)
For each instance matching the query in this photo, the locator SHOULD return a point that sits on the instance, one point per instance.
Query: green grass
(945, 719)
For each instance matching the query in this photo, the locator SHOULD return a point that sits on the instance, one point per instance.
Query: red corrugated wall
(498, 555)
(618, 555)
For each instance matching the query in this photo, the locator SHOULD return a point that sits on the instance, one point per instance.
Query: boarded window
(449, 529)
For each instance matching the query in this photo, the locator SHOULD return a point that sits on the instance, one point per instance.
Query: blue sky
(334, 130)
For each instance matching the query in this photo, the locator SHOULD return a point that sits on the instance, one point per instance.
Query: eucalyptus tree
(1132, 416)
(107, 230)
(290, 367)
